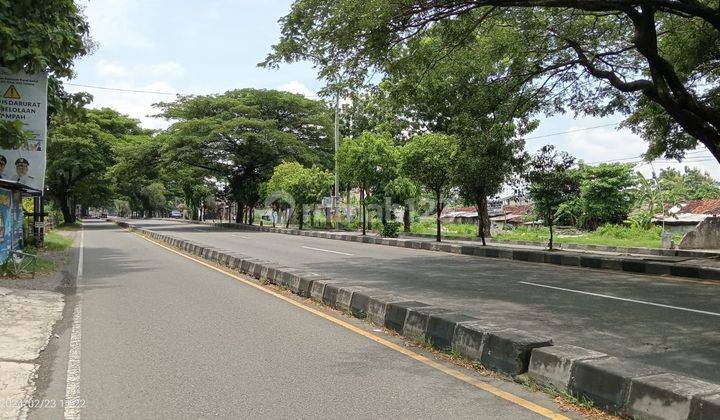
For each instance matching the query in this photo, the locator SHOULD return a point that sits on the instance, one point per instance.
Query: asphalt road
(163, 336)
(669, 322)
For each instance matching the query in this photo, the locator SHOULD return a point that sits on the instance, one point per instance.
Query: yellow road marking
(529, 405)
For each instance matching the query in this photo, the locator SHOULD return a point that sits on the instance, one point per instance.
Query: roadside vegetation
(461, 88)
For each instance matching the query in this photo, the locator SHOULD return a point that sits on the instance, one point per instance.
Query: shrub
(391, 229)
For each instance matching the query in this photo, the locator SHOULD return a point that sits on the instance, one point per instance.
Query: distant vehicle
(176, 214)
(103, 215)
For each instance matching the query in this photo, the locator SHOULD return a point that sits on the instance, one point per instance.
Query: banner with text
(23, 98)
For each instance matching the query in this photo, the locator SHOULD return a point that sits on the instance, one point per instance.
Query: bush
(391, 229)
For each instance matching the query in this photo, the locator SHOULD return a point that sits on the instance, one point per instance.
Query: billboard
(23, 97)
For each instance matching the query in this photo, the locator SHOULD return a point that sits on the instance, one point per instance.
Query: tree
(483, 166)
(39, 36)
(552, 182)
(369, 162)
(691, 184)
(138, 162)
(240, 136)
(606, 193)
(651, 59)
(80, 152)
(153, 196)
(305, 186)
(431, 159)
(403, 190)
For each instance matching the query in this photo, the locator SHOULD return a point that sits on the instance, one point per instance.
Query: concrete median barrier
(508, 350)
(552, 366)
(666, 396)
(441, 328)
(377, 307)
(417, 320)
(470, 338)
(706, 407)
(396, 314)
(606, 381)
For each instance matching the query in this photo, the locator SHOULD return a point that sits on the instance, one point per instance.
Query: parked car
(176, 214)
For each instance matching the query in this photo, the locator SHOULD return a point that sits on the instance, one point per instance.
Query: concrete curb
(632, 389)
(617, 385)
(565, 258)
(583, 247)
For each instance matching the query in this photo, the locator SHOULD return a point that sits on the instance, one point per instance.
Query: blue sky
(211, 46)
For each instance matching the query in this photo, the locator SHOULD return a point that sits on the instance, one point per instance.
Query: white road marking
(679, 308)
(315, 274)
(240, 236)
(198, 230)
(326, 250)
(72, 402)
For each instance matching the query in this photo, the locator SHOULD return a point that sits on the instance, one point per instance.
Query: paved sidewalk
(26, 324)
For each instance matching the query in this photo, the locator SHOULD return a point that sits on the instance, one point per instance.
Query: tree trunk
(383, 209)
(406, 218)
(550, 244)
(251, 215)
(483, 218)
(347, 204)
(68, 215)
(240, 213)
(438, 235)
(288, 216)
(362, 209)
(301, 217)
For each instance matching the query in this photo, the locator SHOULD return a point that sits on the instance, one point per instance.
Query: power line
(123, 90)
(571, 131)
(695, 155)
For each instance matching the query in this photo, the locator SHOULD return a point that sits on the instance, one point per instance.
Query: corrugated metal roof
(708, 206)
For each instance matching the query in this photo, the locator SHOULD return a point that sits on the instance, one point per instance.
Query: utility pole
(336, 195)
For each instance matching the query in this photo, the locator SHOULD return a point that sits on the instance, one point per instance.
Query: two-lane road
(674, 323)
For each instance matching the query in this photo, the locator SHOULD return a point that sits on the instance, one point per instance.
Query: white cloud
(604, 144)
(167, 69)
(106, 68)
(136, 105)
(296, 87)
(114, 69)
(112, 23)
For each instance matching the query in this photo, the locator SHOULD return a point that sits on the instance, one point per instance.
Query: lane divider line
(327, 250)
(643, 302)
(477, 383)
(72, 402)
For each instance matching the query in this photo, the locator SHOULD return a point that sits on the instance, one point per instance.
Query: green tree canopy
(369, 163)
(80, 152)
(402, 190)
(41, 36)
(306, 186)
(552, 182)
(241, 135)
(607, 193)
(484, 165)
(652, 60)
(691, 184)
(430, 160)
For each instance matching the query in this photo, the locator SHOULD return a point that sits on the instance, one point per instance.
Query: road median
(630, 264)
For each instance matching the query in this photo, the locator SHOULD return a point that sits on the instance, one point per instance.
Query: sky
(211, 46)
